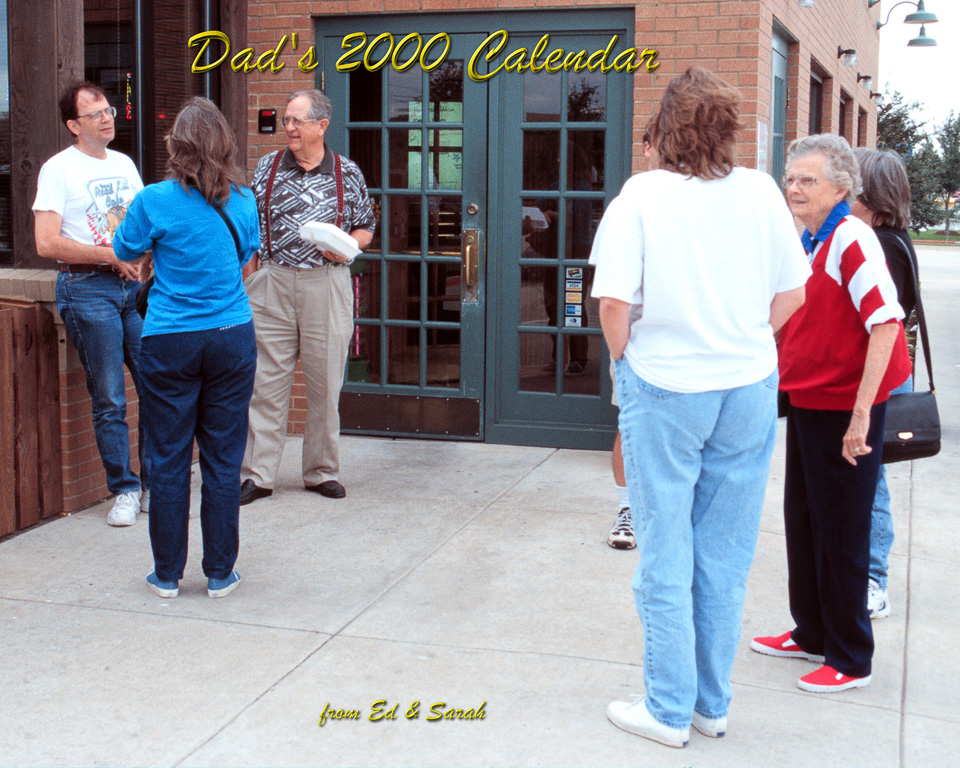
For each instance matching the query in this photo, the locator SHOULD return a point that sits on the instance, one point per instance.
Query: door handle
(470, 271)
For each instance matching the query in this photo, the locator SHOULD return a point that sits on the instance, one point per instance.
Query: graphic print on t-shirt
(110, 199)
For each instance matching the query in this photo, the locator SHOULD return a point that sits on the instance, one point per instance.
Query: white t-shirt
(91, 195)
(703, 259)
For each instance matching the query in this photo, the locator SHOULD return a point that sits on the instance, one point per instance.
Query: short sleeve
(618, 254)
(51, 190)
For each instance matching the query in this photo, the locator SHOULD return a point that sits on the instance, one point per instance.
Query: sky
(930, 75)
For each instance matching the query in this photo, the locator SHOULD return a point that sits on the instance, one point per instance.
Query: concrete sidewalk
(462, 573)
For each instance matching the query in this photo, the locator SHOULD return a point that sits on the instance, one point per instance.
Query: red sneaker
(828, 680)
(782, 646)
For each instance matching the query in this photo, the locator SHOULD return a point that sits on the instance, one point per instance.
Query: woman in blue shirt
(198, 354)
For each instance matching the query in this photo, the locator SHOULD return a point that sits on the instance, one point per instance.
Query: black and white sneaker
(621, 535)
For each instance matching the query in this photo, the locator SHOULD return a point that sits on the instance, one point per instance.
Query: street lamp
(920, 16)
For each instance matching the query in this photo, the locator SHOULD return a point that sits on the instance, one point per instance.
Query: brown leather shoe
(331, 489)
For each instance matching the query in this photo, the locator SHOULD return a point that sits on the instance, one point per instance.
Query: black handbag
(912, 427)
(143, 292)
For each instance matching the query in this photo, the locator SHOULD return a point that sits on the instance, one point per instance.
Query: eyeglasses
(804, 182)
(97, 116)
(296, 122)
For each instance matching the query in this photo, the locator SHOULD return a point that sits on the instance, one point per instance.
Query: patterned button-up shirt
(299, 196)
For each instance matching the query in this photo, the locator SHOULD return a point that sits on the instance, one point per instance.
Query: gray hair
(886, 188)
(319, 104)
(841, 165)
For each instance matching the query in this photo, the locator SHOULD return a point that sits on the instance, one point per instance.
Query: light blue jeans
(881, 521)
(696, 467)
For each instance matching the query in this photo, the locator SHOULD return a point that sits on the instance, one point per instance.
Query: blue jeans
(881, 524)
(697, 467)
(197, 384)
(99, 314)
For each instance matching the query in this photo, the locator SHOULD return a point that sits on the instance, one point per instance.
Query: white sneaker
(634, 717)
(125, 508)
(145, 501)
(621, 535)
(714, 727)
(878, 603)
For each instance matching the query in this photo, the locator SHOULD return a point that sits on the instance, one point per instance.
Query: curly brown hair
(203, 151)
(695, 128)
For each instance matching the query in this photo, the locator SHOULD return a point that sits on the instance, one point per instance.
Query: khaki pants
(306, 313)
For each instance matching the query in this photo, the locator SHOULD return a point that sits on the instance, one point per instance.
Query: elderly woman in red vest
(840, 355)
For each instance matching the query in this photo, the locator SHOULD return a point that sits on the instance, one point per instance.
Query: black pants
(826, 508)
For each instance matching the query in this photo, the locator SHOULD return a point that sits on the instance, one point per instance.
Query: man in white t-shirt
(82, 196)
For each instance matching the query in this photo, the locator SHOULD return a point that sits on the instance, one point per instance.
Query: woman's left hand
(855, 441)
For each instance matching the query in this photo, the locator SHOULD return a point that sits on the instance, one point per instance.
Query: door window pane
(404, 356)
(538, 226)
(365, 152)
(405, 93)
(404, 224)
(366, 287)
(585, 160)
(586, 97)
(444, 222)
(581, 376)
(403, 281)
(445, 155)
(538, 372)
(538, 296)
(363, 362)
(541, 97)
(583, 218)
(443, 357)
(365, 90)
(446, 93)
(405, 171)
(443, 292)
(541, 160)
(6, 237)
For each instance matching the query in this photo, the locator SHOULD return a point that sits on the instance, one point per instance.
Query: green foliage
(948, 176)
(896, 127)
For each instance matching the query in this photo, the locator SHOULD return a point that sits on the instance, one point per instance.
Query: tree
(948, 136)
(897, 129)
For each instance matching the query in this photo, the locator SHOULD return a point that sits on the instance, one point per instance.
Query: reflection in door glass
(403, 285)
(443, 292)
(444, 222)
(443, 357)
(446, 93)
(538, 370)
(582, 373)
(365, 152)
(403, 350)
(586, 97)
(538, 296)
(539, 220)
(365, 274)
(404, 159)
(404, 224)
(363, 361)
(583, 218)
(541, 97)
(541, 160)
(405, 92)
(365, 90)
(445, 153)
(585, 160)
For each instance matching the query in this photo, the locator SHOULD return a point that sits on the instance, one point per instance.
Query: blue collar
(810, 242)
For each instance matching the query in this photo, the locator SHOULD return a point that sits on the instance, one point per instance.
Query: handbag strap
(226, 220)
(266, 201)
(920, 318)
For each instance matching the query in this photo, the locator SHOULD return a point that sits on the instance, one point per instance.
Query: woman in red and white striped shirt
(840, 355)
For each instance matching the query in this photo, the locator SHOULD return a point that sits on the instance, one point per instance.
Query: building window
(6, 238)
(816, 105)
(861, 128)
(119, 36)
(842, 124)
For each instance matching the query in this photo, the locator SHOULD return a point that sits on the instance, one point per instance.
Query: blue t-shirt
(198, 285)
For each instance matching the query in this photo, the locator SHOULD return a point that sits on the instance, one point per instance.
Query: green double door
(472, 305)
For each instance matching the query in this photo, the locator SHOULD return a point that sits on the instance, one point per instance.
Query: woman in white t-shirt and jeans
(710, 254)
